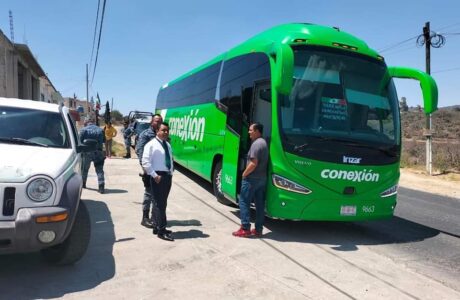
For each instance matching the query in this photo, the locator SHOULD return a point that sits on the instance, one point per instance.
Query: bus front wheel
(217, 184)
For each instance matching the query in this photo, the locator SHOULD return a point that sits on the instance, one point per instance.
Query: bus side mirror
(427, 83)
(284, 68)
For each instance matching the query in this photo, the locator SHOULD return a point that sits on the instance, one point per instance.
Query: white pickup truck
(40, 182)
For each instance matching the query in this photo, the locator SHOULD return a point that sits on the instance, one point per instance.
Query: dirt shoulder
(445, 185)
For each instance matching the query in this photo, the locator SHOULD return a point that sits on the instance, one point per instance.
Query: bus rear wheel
(217, 184)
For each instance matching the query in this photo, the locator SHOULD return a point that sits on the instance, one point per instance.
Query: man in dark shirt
(145, 137)
(253, 183)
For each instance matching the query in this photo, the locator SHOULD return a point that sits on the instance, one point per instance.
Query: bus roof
(293, 34)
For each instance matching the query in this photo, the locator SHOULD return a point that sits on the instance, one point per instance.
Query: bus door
(262, 107)
(229, 177)
(236, 136)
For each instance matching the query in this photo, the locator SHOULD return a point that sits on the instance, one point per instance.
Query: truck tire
(75, 245)
(217, 184)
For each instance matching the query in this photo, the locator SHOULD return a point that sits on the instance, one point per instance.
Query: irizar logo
(188, 127)
(351, 160)
(355, 176)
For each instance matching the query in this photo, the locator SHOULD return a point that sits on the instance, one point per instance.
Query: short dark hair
(259, 127)
(157, 115)
(164, 123)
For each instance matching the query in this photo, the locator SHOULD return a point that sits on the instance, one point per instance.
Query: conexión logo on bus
(356, 176)
(188, 127)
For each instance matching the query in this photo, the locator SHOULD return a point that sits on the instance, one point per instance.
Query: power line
(99, 41)
(447, 70)
(436, 40)
(387, 48)
(396, 51)
(94, 36)
(397, 44)
(448, 26)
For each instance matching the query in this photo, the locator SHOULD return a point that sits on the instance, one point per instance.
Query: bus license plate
(348, 210)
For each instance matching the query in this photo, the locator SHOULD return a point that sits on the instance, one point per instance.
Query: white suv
(40, 182)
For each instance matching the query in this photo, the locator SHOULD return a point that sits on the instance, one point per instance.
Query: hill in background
(445, 123)
(446, 138)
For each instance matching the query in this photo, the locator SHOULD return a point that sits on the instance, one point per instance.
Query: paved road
(413, 256)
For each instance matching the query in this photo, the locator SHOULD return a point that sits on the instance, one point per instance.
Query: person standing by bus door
(145, 137)
(110, 132)
(157, 161)
(127, 133)
(253, 184)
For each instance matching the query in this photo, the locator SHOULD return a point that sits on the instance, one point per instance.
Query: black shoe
(101, 189)
(166, 237)
(84, 185)
(146, 222)
(155, 231)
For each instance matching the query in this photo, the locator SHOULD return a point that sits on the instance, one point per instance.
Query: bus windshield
(342, 98)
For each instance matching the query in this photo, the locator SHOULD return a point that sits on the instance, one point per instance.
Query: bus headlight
(286, 184)
(389, 192)
(40, 189)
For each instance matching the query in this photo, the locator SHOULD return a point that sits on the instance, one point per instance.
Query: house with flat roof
(21, 76)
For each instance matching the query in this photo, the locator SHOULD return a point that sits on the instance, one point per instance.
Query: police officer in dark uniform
(128, 131)
(145, 137)
(91, 131)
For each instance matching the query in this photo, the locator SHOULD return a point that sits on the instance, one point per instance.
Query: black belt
(163, 172)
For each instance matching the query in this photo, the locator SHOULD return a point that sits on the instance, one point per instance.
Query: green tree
(116, 115)
(403, 104)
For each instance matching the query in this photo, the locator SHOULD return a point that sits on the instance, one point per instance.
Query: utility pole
(428, 133)
(112, 104)
(11, 27)
(434, 40)
(87, 92)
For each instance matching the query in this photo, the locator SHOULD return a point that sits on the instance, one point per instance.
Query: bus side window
(237, 86)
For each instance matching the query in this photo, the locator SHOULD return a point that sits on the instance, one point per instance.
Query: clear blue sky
(147, 43)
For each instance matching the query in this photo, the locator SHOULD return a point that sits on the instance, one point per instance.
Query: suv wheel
(75, 245)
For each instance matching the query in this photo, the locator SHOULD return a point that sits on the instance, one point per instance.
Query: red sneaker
(242, 233)
(256, 233)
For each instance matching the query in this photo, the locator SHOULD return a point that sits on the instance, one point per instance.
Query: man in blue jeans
(253, 183)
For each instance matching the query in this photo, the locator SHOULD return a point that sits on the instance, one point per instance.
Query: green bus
(330, 114)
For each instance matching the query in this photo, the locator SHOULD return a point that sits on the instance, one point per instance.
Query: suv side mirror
(427, 83)
(89, 145)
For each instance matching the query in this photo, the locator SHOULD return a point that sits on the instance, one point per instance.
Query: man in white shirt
(157, 161)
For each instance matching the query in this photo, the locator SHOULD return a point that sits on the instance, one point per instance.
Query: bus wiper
(300, 147)
(320, 140)
(21, 141)
(380, 148)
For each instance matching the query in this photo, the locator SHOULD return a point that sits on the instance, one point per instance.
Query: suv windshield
(32, 127)
(340, 104)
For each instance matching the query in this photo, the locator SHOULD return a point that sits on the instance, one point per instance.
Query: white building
(21, 76)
